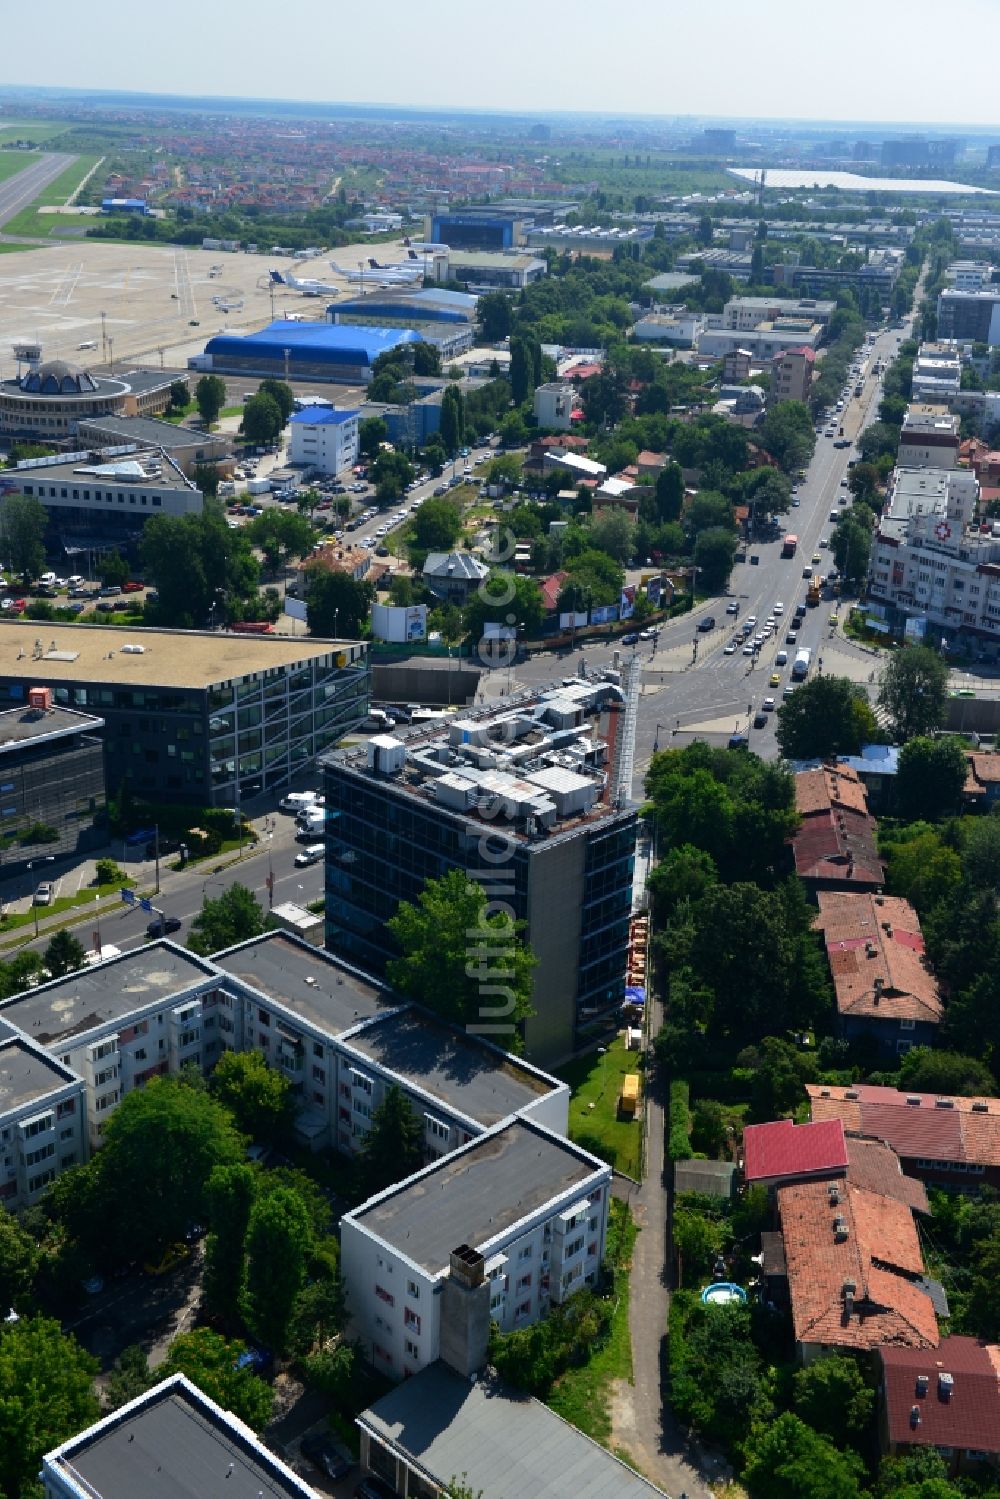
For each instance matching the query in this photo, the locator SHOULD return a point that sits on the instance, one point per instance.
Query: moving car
(775, 679)
(768, 705)
(310, 855)
(760, 721)
(708, 623)
(630, 640)
(163, 926)
(730, 649)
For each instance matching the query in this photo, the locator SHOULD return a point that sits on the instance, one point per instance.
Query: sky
(891, 61)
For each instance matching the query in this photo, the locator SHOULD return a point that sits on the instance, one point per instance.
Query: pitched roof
(783, 1149)
(874, 947)
(836, 839)
(551, 588)
(454, 565)
(983, 772)
(968, 1418)
(877, 1253)
(875, 1166)
(916, 1125)
(831, 785)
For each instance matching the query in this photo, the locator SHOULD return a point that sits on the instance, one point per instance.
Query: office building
(969, 316)
(678, 327)
(49, 400)
(499, 1230)
(324, 439)
(173, 702)
(52, 790)
(937, 373)
(879, 273)
(43, 1118)
(918, 151)
(187, 447)
(169, 1442)
(99, 500)
(929, 438)
(791, 374)
(969, 275)
(521, 797)
(749, 312)
(554, 405)
(763, 342)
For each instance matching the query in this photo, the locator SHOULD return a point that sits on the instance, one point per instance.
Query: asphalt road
(24, 187)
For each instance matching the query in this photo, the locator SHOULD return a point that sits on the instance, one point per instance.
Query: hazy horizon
(861, 65)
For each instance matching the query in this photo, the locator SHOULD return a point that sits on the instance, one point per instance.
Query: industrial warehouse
(341, 354)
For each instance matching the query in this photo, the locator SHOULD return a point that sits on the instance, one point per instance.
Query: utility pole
(104, 339)
(156, 846)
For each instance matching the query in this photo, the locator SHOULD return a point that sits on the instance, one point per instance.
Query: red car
(132, 586)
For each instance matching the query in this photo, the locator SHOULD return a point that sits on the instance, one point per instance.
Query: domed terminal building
(49, 400)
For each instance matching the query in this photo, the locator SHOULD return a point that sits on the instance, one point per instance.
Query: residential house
(883, 986)
(982, 782)
(783, 1151)
(855, 1270)
(454, 576)
(949, 1401)
(650, 465)
(835, 845)
(556, 406)
(945, 1141)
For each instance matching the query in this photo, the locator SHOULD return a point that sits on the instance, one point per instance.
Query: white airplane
(306, 287)
(383, 275)
(425, 247)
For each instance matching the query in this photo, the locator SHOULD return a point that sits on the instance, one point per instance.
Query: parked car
(321, 1452)
(44, 894)
(132, 586)
(631, 639)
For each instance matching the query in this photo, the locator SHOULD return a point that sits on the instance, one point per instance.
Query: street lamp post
(656, 737)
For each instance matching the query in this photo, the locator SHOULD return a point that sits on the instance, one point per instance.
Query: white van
(310, 855)
(297, 801)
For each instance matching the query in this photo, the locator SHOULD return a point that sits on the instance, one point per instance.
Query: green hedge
(679, 1140)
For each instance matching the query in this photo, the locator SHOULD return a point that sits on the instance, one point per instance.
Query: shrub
(679, 1142)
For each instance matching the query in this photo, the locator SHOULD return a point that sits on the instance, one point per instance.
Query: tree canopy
(211, 1362)
(393, 1147)
(46, 1395)
(201, 568)
(913, 691)
(789, 1460)
(210, 397)
(224, 920)
(23, 523)
(825, 716)
(259, 1097)
(930, 778)
(337, 605)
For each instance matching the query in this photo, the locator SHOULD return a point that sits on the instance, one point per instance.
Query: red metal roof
(783, 1150)
(969, 1418)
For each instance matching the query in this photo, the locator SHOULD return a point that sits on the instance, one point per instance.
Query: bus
(789, 545)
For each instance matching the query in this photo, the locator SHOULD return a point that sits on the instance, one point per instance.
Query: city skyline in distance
(858, 65)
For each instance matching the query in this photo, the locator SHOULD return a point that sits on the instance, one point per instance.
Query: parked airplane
(383, 275)
(306, 287)
(425, 247)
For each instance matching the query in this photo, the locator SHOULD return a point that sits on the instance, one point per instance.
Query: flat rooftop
(19, 726)
(505, 1443)
(323, 991)
(146, 429)
(26, 1076)
(477, 1194)
(169, 658)
(92, 997)
(173, 1444)
(484, 1084)
(100, 468)
(517, 261)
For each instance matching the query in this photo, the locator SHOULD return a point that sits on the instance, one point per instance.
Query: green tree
(112, 569)
(393, 1147)
(945, 1073)
(669, 493)
(211, 1362)
(851, 544)
(258, 1096)
(180, 394)
(505, 598)
(832, 1397)
(864, 480)
(23, 522)
(452, 420)
(713, 555)
(229, 1196)
(708, 511)
(281, 394)
(278, 1243)
(614, 533)
(280, 535)
(201, 568)
(210, 397)
(372, 433)
(130, 1377)
(337, 605)
(262, 421)
(18, 1262)
(234, 916)
(825, 716)
(779, 1072)
(787, 434)
(931, 775)
(317, 1317)
(920, 867)
(698, 1242)
(64, 954)
(493, 312)
(46, 1395)
(788, 1460)
(913, 691)
(684, 873)
(390, 473)
(513, 430)
(485, 984)
(522, 369)
(436, 526)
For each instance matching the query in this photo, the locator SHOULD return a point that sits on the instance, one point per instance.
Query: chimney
(877, 990)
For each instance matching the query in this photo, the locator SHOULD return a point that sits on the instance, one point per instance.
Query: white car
(748, 650)
(750, 621)
(768, 704)
(74, 580)
(779, 608)
(729, 651)
(824, 541)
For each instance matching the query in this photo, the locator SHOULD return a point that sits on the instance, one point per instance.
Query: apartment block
(937, 372)
(929, 438)
(503, 1228)
(42, 1121)
(324, 439)
(791, 374)
(521, 796)
(971, 316)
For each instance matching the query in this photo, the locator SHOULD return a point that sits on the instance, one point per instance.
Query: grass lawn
(31, 130)
(596, 1080)
(30, 221)
(6, 249)
(582, 1396)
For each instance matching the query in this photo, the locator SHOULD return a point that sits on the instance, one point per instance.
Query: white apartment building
(762, 342)
(930, 437)
(750, 312)
(670, 326)
(501, 1230)
(554, 405)
(324, 438)
(969, 275)
(929, 563)
(42, 1122)
(937, 373)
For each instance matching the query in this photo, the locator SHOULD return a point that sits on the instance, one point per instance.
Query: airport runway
(24, 187)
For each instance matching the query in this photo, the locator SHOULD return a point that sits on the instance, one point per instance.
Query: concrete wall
(555, 883)
(422, 680)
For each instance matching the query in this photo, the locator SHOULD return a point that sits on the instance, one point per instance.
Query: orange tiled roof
(829, 786)
(983, 771)
(875, 1166)
(940, 1129)
(875, 951)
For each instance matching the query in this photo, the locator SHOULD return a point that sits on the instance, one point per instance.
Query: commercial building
(929, 438)
(554, 405)
(735, 263)
(187, 447)
(412, 423)
(596, 240)
(930, 565)
(879, 273)
(969, 316)
(791, 374)
(883, 986)
(43, 1115)
(171, 1441)
(436, 314)
(762, 342)
(950, 1403)
(173, 702)
(937, 373)
(324, 438)
(302, 351)
(835, 846)
(521, 797)
(437, 1425)
(49, 400)
(678, 327)
(969, 275)
(52, 792)
(97, 500)
(944, 1140)
(483, 270)
(499, 1230)
(472, 229)
(749, 312)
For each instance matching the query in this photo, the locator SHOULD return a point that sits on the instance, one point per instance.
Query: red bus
(789, 544)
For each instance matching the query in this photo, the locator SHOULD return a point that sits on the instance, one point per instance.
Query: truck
(258, 486)
(801, 664)
(789, 544)
(812, 597)
(628, 1100)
